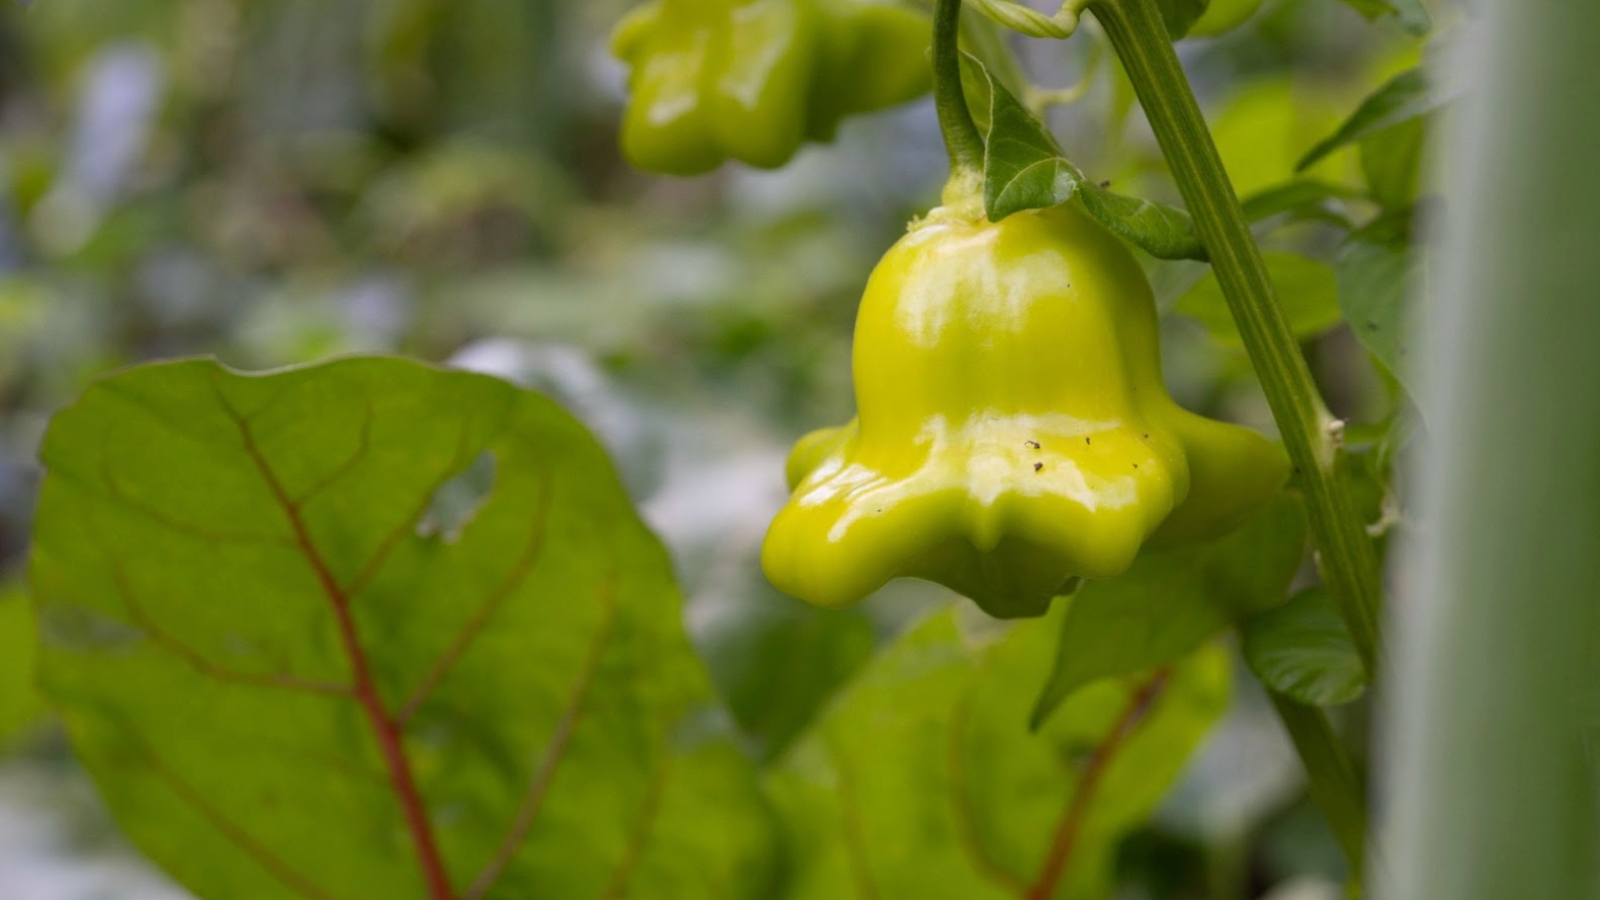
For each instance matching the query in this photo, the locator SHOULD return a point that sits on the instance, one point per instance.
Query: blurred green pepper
(1013, 430)
(752, 79)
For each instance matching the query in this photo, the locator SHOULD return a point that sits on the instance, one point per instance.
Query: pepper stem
(961, 137)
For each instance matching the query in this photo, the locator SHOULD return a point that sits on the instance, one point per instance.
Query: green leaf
(923, 780)
(1299, 198)
(1172, 600)
(1372, 9)
(1222, 16)
(1405, 97)
(1391, 162)
(1162, 231)
(1025, 168)
(778, 660)
(1303, 651)
(20, 704)
(1264, 126)
(298, 622)
(1180, 15)
(1412, 14)
(1306, 288)
(1379, 272)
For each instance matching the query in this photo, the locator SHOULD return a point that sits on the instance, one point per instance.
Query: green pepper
(753, 79)
(1013, 433)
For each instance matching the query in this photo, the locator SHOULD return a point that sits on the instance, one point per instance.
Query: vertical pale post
(1496, 686)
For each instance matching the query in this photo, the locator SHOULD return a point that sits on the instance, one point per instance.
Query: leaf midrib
(385, 728)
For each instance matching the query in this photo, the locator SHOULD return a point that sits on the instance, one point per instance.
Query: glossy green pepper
(753, 79)
(1013, 430)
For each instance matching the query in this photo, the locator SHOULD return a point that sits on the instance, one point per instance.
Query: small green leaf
(1391, 162)
(1222, 16)
(1025, 168)
(286, 667)
(923, 781)
(1299, 198)
(1264, 127)
(1162, 231)
(1411, 14)
(1180, 15)
(1379, 272)
(1406, 96)
(1372, 9)
(777, 661)
(1303, 651)
(1306, 288)
(1172, 600)
(20, 704)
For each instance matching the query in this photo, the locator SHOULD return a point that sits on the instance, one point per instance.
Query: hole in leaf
(458, 500)
(81, 628)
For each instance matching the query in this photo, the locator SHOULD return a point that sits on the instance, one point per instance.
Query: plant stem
(961, 137)
(1311, 435)
(1335, 786)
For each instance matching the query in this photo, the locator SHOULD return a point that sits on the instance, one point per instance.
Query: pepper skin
(753, 79)
(1013, 431)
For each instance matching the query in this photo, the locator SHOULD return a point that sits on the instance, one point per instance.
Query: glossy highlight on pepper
(1013, 431)
(751, 80)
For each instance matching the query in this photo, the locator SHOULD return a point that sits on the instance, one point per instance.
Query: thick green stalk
(961, 137)
(1494, 736)
(1349, 565)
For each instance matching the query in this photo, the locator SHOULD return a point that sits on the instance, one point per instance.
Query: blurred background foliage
(275, 181)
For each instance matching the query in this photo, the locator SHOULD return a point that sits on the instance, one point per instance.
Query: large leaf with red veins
(303, 660)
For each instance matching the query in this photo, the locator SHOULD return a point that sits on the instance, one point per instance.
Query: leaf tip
(1049, 699)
